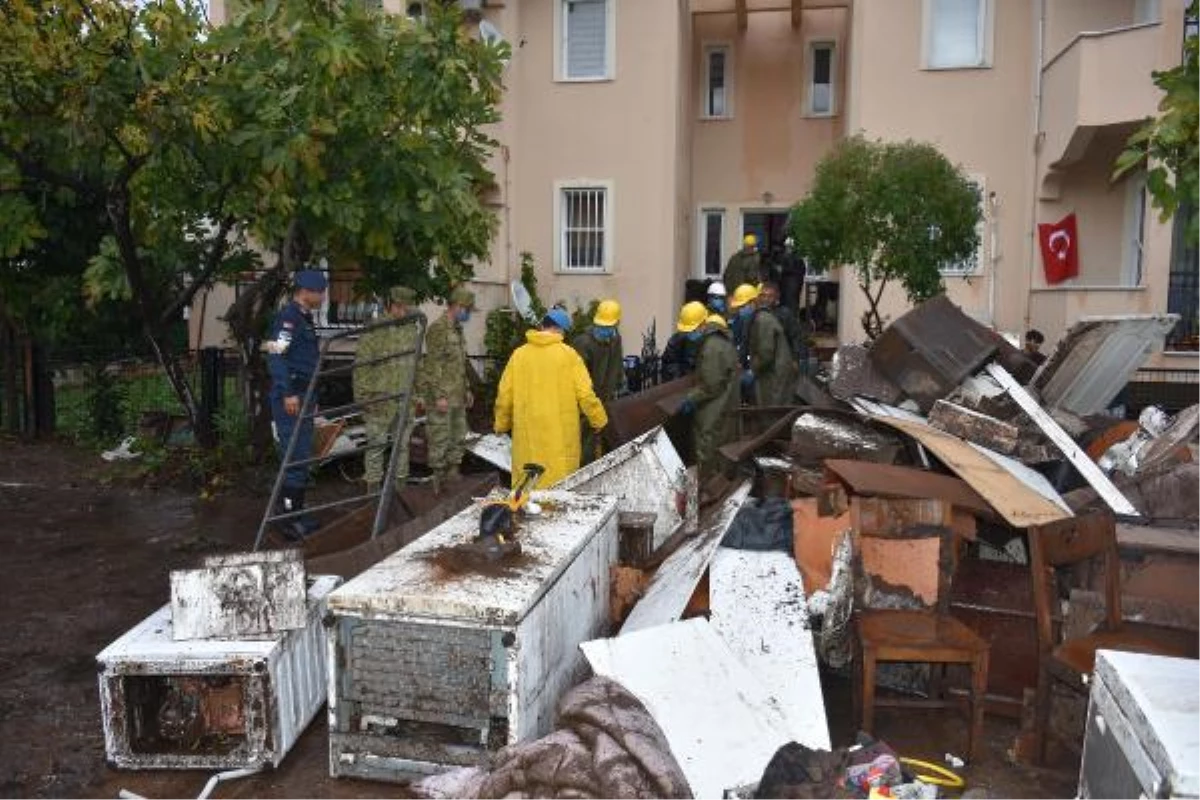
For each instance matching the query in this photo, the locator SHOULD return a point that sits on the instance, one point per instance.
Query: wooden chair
(1070, 542)
(926, 636)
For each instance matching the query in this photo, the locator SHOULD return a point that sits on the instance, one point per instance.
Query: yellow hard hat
(691, 316)
(717, 319)
(608, 313)
(743, 294)
(749, 240)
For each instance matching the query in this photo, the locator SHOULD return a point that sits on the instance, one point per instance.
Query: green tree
(303, 129)
(1167, 145)
(895, 211)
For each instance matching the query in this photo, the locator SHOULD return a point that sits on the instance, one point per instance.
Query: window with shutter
(820, 84)
(956, 33)
(585, 39)
(717, 82)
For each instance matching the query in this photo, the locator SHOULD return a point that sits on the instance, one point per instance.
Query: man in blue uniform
(292, 355)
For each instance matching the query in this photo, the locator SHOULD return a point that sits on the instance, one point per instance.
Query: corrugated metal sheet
(211, 704)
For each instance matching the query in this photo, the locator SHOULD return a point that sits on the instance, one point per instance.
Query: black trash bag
(796, 771)
(764, 525)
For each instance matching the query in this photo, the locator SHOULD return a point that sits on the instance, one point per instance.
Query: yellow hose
(939, 775)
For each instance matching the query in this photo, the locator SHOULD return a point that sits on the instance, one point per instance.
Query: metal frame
(308, 410)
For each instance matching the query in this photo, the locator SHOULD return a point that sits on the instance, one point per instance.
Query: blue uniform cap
(312, 279)
(558, 318)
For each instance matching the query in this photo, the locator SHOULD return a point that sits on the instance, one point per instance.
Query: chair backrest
(1065, 543)
(905, 520)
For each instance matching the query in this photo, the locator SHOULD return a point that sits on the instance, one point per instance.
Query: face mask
(463, 315)
(694, 336)
(717, 304)
(604, 332)
(745, 311)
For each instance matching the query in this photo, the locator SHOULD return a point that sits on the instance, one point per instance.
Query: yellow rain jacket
(542, 390)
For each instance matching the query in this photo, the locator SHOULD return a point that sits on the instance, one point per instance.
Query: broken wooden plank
(1079, 459)
(888, 480)
(716, 716)
(964, 423)
(673, 583)
(995, 479)
(760, 609)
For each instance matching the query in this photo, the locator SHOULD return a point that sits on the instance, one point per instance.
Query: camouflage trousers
(709, 435)
(445, 431)
(379, 419)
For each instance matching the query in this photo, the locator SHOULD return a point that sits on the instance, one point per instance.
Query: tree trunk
(872, 320)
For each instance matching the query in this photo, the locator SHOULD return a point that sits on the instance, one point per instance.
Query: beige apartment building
(641, 139)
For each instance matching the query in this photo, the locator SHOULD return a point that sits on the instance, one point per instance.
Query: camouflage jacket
(443, 371)
(392, 375)
(604, 360)
(742, 268)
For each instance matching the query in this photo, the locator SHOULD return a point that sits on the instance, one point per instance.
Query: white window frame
(560, 231)
(810, 73)
(560, 45)
(982, 249)
(706, 49)
(702, 215)
(1133, 234)
(987, 13)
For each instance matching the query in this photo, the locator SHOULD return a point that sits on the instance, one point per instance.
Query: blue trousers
(296, 477)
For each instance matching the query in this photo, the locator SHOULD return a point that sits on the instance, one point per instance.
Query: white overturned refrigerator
(435, 661)
(211, 703)
(1143, 727)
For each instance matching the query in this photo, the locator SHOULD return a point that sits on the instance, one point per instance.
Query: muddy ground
(85, 550)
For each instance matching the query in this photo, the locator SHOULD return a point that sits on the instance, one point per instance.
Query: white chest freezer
(1143, 728)
(208, 703)
(436, 661)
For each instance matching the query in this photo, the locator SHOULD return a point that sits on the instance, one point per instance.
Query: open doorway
(770, 227)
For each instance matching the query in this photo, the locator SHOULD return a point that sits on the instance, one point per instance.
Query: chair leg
(868, 691)
(1042, 703)
(979, 682)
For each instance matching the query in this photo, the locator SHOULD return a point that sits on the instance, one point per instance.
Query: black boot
(308, 522)
(291, 500)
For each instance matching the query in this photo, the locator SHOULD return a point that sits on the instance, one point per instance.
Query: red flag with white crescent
(1060, 248)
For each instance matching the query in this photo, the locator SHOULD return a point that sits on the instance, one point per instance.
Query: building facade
(640, 139)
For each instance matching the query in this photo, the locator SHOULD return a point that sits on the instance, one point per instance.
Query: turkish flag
(1060, 248)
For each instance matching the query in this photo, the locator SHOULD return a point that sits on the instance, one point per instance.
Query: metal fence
(1173, 389)
(103, 396)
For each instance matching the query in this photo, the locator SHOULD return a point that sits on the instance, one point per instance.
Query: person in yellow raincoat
(544, 387)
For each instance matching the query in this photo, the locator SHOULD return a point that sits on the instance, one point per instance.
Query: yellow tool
(497, 521)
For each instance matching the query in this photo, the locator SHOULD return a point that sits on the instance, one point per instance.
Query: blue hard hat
(312, 279)
(558, 318)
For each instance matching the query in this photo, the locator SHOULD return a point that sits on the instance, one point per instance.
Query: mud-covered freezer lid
(429, 579)
(151, 640)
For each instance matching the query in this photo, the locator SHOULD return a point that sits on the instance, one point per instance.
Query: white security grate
(584, 220)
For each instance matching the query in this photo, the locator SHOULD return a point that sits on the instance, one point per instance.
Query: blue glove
(687, 407)
(747, 379)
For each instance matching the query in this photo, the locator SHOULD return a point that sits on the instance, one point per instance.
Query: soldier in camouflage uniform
(374, 380)
(603, 354)
(442, 387)
(713, 402)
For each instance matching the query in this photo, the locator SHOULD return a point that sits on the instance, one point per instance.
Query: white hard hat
(717, 288)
